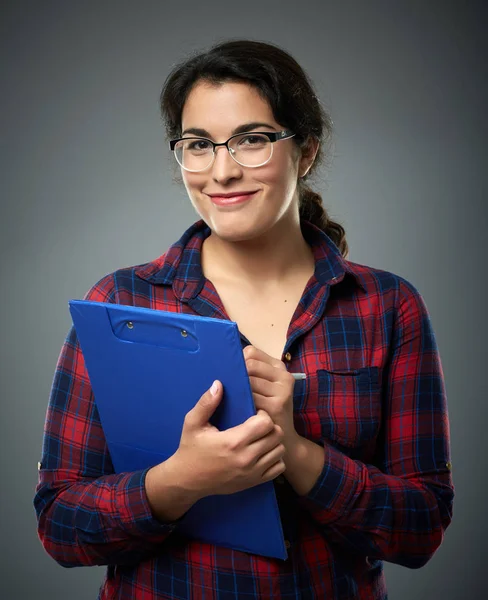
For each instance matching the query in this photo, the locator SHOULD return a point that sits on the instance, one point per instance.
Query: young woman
(359, 450)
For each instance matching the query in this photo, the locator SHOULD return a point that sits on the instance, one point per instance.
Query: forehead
(221, 108)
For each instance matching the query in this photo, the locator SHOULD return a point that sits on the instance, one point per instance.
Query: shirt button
(287, 357)
(39, 466)
(280, 479)
(287, 544)
(449, 465)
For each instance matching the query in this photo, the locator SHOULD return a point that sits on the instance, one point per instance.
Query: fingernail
(215, 388)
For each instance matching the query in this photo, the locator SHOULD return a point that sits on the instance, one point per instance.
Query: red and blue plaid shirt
(374, 398)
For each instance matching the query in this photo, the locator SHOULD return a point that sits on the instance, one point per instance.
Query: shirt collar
(181, 268)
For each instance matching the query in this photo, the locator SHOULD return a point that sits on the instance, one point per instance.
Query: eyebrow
(240, 129)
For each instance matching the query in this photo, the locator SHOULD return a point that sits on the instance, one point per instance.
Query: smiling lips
(231, 199)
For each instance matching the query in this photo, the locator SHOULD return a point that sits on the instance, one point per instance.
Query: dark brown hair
(283, 84)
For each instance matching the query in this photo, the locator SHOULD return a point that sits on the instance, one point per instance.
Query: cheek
(281, 173)
(189, 180)
(193, 184)
(281, 183)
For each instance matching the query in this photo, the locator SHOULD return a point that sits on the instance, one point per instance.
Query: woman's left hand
(272, 387)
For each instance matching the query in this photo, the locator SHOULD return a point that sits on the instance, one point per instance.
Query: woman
(359, 450)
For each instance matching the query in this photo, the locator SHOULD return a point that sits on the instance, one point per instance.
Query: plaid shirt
(374, 398)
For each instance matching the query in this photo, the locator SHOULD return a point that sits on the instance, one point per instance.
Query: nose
(224, 166)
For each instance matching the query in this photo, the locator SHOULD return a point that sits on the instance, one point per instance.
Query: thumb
(207, 405)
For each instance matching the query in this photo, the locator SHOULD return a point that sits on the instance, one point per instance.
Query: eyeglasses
(251, 149)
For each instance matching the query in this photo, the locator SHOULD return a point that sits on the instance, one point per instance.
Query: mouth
(232, 200)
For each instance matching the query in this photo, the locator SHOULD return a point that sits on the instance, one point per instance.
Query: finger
(254, 428)
(263, 387)
(200, 414)
(266, 444)
(275, 470)
(258, 368)
(270, 458)
(251, 352)
(257, 427)
(280, 432)
(260, 402)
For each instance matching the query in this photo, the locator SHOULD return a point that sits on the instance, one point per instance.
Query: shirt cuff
(336, 488)
(133, 507)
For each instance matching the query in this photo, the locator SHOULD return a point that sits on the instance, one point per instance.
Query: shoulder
(392, 289)
(135, 284)
(139, 280)
(125, 283)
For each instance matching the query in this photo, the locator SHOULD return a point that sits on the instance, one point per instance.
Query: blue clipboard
(147, 369)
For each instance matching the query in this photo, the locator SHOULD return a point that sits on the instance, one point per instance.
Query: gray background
(86, 188)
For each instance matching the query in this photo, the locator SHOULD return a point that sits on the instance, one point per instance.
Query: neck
(269, 260)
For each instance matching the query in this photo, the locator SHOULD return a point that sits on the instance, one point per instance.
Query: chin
(233, 234)
(236, 231)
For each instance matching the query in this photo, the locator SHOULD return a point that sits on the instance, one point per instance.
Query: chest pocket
(341, 406)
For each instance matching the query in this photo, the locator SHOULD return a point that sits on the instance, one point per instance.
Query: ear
(309, 152)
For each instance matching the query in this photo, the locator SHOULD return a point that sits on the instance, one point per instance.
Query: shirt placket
(309, 311)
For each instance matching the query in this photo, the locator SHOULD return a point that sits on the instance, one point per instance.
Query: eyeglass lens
(196, 154)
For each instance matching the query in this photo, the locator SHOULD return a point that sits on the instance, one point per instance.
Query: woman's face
(219, 110)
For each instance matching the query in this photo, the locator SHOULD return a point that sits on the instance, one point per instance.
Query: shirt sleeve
(398, 508)
(87, 514)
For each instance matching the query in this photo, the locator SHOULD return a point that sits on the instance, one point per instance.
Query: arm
(398, 512)
(87, 515)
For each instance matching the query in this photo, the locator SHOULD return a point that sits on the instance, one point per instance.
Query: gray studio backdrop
(86, 188)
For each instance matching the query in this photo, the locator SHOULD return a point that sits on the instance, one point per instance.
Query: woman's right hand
(209, 461)
(224, 462)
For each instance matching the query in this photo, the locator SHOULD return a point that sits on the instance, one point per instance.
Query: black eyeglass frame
(273, 136)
